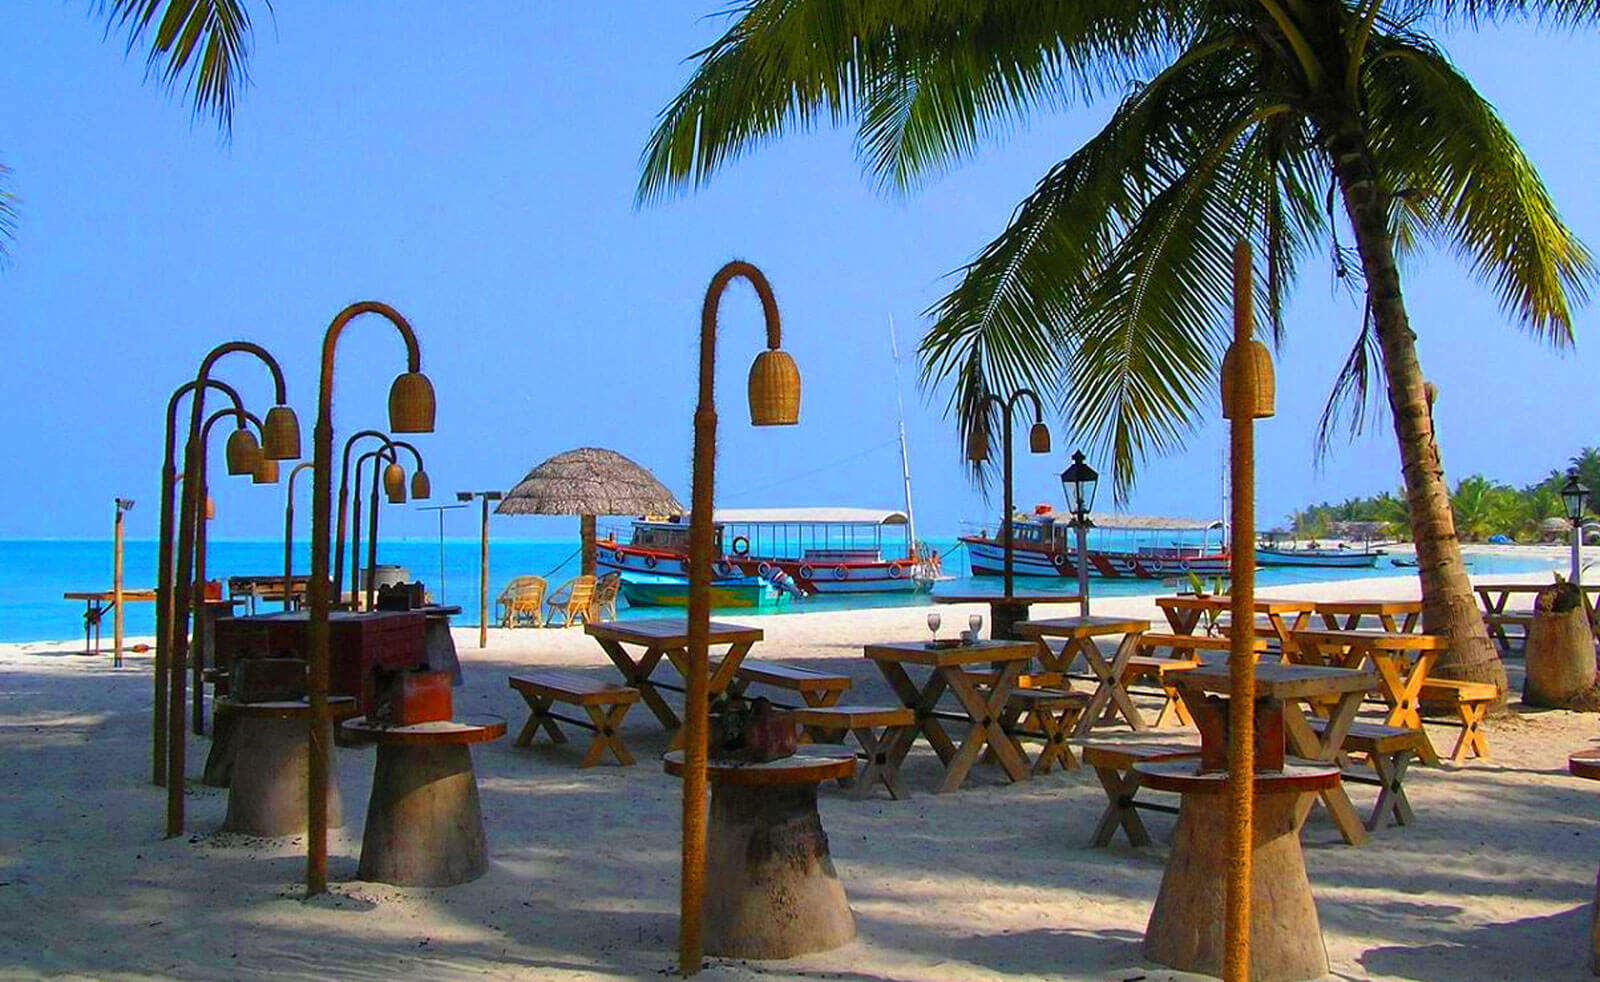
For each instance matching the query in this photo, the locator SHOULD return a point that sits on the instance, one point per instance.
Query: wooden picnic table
(1384, 610)
(1005, 612)
(1495, 596)
(1184, 612)
(982, 711)
(96, 604)
(667, 638)
(1293, 685)
(1079, 634)
(1586, 764)
(1402, 661)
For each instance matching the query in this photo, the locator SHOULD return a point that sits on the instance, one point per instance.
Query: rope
(563, 562)
(816, 470)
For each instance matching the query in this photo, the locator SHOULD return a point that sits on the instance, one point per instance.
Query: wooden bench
(1113, 764)
(1047, 715)
(1471, 702)
(884, 733)
(1497, 624)
(604, 702)
(818, 689)
(1027, 680)
(1389, 749)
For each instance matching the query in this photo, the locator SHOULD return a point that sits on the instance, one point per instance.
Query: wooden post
(116, 589)
(586, 533)
(1239, 403)
(483, 576)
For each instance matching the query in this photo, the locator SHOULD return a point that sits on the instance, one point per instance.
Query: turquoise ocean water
(35, 573)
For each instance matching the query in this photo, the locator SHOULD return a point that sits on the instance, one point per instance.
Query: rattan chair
(521, 604)
(605, 597)
(570, 601)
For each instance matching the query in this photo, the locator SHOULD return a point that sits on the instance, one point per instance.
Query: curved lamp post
(411, 410)
(165, 572)
(394, 489)
(387, 449)
(978, 452)
(1079, 482)
(774, 395)
(288, 534)
(244, 457)
(280, 441)
(343, 502)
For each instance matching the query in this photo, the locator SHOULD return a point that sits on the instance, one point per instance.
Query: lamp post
(343, 500)
(356, 591)
(123, 505)
(978, 452)
(774, 396)
(1574, 495)
(288, 534)
(440, 510)
(411, 410)
(165, 572)
(394, 487)
(483, 559)
(1079, 481)
(280, 441)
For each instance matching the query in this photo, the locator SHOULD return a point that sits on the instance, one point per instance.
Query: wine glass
(933, 625)
(976, 623)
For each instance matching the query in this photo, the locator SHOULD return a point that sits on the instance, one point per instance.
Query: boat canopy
(1133, 523)
(808, 516)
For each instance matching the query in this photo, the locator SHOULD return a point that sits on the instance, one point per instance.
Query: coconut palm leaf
(200, 46)
(8, 215)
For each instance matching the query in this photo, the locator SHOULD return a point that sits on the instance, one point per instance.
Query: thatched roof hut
(589, 481)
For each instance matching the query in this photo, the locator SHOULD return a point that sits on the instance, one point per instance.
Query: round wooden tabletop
(441, 733)
(1585, 764)
(1184, 777)
(809, 765)
(339, 707)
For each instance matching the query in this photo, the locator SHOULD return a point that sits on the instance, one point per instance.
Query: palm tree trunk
(1448, 604)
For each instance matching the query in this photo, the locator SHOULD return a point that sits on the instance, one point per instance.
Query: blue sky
(474, 165)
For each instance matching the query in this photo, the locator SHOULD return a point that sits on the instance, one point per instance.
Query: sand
(1494, 881)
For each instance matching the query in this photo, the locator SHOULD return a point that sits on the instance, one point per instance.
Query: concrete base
(440, 649)
(771, 889)
(219, 761)
(269, 792)
(424, 826)
(1186, 926)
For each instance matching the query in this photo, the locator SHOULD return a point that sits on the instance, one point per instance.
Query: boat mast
(1226, 468)
(905, 458)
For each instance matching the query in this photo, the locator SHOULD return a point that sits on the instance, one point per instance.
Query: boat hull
(1334, 559)
(890, 576)
(987, 558)
(669, 592)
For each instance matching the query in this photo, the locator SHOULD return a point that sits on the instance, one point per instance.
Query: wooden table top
(1386, 640)
(1262, 605)
(1000, 598)
(1369, 606)
(106, 596)
(476, 728)
(339, 707)
(1280, 681)
(1081, 627)
(1585, 764)
(808, 765)
(1184, 777)
(1527, 587)
(918, 652)
(671, 632)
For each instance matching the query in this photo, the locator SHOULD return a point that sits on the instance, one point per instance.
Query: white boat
(1128, 547)
(1327, 558)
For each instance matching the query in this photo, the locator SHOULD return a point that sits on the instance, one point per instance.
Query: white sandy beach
(1494, 881)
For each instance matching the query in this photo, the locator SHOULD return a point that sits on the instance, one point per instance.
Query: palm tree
(1242, 119)
(201, 46)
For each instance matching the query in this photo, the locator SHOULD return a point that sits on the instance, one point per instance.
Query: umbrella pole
(586, 529)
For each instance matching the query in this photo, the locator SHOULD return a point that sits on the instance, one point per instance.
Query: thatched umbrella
(589, 481)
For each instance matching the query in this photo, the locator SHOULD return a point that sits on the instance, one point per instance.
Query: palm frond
(199, 46)
(1461, 177)
(8, 215)
(1353, 397)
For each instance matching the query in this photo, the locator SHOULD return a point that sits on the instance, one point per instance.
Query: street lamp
(1574, 496)
(123, 505)
(394, 488)
(978, 452)
(280, 440)
(288, 535)
(774, 396)
(411, 410)
(1079, 481)
(441, 509)
(483, 558)
(343, 502)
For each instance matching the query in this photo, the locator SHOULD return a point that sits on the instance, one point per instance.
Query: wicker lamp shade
(394, 484)
(243, 452)
(266, 472)
(978, 444)
(280, 434)
(1039, 438)
(1253, 358)
(211, 508)
(411, 404)
(421, 487)
(774, 389)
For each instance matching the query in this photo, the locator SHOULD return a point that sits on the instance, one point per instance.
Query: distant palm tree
(202, 46)
(1242, 119)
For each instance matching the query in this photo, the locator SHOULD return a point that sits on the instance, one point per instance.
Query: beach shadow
(1555, 946)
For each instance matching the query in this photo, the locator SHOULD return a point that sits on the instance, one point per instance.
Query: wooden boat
(1269, 552)
(817, 550)
(669, 591)
(1122, 547)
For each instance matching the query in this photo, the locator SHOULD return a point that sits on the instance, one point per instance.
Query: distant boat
(1043, 544)
(672, 591)
(1326, 558)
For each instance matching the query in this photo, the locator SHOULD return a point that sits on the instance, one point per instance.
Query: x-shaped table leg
(923, 702)
(1111, 688)
(540, 717)
(1121, 789)
(607, 734)
(637, 674)
(1404, 694)
(984, 709)
(1303, 740)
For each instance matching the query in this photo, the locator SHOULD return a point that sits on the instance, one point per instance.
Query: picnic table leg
(637, 674)
(607, 722)
(1404, 696)
(923, 702)
(813, 700)
(879, 764)
(1391, 790)
(1111, 687)
(540, 705)
(985, 730)
(1121, 789)
(1303, 740)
